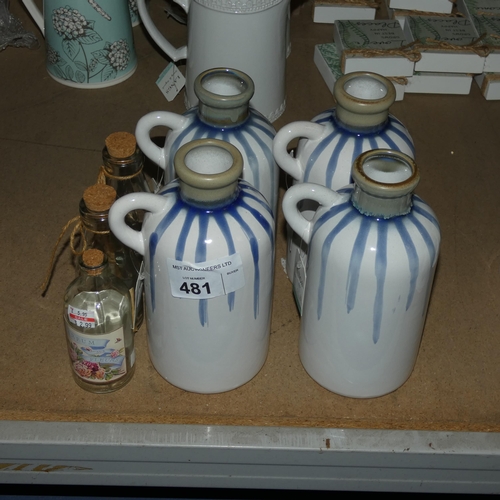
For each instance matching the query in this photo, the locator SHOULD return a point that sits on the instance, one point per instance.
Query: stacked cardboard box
(429, 54)
(485, 15)
(329, 11)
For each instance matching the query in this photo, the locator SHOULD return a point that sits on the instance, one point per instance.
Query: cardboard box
(446, 44)
(490, 27)
(478, 7)
(362, 44)
(489, 84)
(438, 6)
(327, 60)
(329, 11)
(439, 83)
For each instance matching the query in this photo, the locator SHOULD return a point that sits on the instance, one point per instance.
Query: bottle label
(299, 278)
(81, 317)
(205, 280)
(97, 358)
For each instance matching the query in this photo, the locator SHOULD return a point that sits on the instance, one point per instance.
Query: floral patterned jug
(89, 42)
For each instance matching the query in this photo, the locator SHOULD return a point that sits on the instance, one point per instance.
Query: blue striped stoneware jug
(223, 113)
(331, 142)
(373, 250)
(208, 246)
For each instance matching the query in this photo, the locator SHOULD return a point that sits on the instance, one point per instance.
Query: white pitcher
(250, 36)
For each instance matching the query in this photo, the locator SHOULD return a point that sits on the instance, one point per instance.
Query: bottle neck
(363, 101)
(208, 171)
(224, 96)
(384, 181)
(122, 168)
(95, 222)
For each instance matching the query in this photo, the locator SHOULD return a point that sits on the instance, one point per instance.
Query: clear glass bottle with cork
(124, 262)
(98, 321)
(123, 169)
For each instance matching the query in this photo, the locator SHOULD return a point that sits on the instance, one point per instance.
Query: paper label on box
(453, 30)
(330, 55)
(171, 82)
(377, 34)
(484, 7)
(489, 25)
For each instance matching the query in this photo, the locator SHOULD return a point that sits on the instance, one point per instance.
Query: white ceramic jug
(208, 246)
(223, 113)
(250, 36)
(373, 250)
(89, 43)
(330, 143)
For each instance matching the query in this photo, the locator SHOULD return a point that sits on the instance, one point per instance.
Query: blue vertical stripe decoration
(411, 252)
(201, 256)
(155, 238)
(328, 161)
(357, 254)
(255, 127)
(323, 144)
(380, 273)
(347, 215)
(325, 252)
(197, 221)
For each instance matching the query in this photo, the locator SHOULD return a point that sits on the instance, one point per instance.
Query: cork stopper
(99, 197)
(93, 257)
(121, 144)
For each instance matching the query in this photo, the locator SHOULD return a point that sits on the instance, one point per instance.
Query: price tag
(205, 280)
(171, 82)
(81, 317)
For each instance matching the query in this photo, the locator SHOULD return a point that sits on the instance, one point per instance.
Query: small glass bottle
(124, 262)
(98, 320)
(123, 169)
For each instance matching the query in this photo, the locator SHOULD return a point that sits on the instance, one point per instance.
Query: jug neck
(208, 171)
(384, 181)
(363, 100)
(224, 95)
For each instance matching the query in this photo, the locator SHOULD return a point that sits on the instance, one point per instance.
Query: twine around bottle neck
(104, 174)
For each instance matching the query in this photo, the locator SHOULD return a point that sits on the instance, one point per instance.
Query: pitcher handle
(119, 210)
(163, 43)
(326, 197)
(35, 14)
(294, 130)
(143, 130)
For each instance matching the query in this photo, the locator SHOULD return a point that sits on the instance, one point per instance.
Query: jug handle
(121, 207)
(144, 127)
(163, 43)
(294, 130)
(35, 14)
(326, 197)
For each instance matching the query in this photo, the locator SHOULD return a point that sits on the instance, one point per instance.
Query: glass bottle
(123, 169)
(124, 262)
(98, 321)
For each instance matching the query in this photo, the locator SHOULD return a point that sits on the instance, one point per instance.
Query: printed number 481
(195, 288)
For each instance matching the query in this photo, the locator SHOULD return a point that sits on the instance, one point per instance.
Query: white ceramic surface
(248, 36)
(330, 143)
(367, 290)
(89, 43)
(252, 134)
(213, 344)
